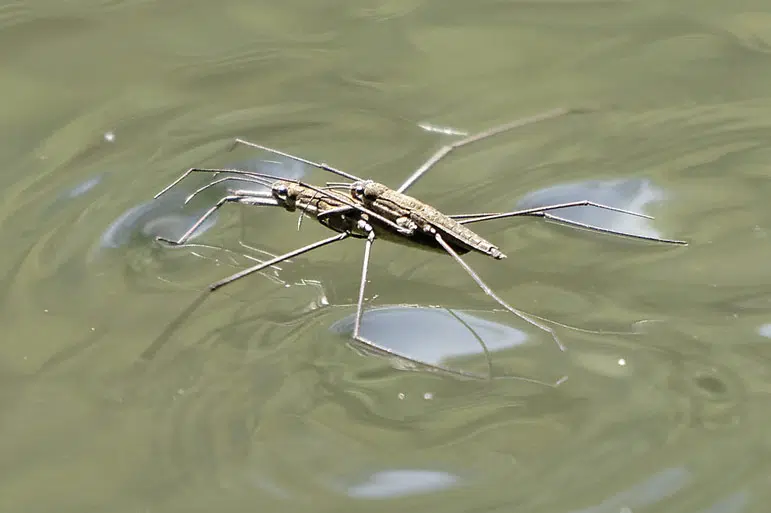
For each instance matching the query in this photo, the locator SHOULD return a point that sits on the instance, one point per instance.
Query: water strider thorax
(293, 196)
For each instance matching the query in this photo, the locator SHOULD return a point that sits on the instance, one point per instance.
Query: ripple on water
(752, 30)
(230, 417)
(641, 425)
(206, 408)
(131, 234)
(73, 251)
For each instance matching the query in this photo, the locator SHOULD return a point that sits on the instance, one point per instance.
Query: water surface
(256, 399)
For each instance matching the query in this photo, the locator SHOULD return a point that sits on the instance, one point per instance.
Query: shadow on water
(433, 335)
(441, 337)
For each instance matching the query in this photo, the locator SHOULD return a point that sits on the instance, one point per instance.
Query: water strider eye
(363, 190)
(281, 190)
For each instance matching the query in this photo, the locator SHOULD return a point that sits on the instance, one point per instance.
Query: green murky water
(256, 401)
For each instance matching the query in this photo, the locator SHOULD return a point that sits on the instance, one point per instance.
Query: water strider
(369, 210)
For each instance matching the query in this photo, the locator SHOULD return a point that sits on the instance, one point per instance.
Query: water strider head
(283, 191)
(287, 193)
(368, 190)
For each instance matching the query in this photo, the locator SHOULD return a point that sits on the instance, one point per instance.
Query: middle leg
(445, 150)
(364, 226)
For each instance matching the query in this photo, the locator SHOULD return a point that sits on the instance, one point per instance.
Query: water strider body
(369, 210)
(420, 220)
(394, 216)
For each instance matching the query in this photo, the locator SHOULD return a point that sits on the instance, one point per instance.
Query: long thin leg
(613, 232)
(186, 174)
(442, 152)
(152, 350)
(286, 256)
(320, 165)
(360, 305)
(482, 344)
(542, 212)
(200, 221)
(475, 218)
(490, 359)
(216, 171)
(245, 197)
(227, 179)
(363, 283)
(493, 295)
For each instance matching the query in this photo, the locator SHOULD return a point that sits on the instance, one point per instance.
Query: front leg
(344, 219)
(200, 221)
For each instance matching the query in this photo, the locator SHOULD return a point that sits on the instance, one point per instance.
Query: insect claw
(167, 241)
(234, 144)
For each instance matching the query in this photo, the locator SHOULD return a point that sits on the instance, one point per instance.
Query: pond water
(124, 391)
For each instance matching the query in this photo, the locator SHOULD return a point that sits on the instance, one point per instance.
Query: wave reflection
(627, 193)
(390, 484)
(444, 337)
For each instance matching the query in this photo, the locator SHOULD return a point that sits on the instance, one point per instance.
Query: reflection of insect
(370, 210)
